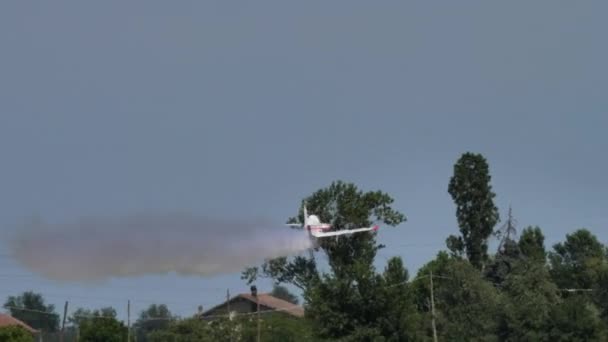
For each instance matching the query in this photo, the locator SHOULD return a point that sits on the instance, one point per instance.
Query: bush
(15, 334)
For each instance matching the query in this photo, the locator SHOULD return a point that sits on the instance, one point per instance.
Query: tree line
(523, 291)
(154, 324)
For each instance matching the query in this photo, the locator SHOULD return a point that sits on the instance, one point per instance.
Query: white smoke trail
(92, 250)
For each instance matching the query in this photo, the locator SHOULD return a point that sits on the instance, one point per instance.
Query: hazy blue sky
(240, 109)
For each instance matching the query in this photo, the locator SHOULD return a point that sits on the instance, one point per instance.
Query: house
(8, 320)
(247, 303)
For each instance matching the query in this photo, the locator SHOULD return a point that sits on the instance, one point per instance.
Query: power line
(95, 298)
(577, 290)
(92, 316)
(291, 308)
(35, 279)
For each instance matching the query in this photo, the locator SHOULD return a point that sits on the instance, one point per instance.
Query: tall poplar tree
(477, 215)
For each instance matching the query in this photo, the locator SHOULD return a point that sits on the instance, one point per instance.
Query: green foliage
(400, 320)
(529, 296)
(532, 244)
(346, 298)
(81, 314)
(466, 305)
(503, 263)
(15, 334)
(36, 313)
(155, 317)
(576, 320)
(189, 330)
(576, 263)
(283, 293)
(280, 327)
(475, 210)
(102, 329)
(456, 245)
(273, 327)
(338, 306)
(601, 290)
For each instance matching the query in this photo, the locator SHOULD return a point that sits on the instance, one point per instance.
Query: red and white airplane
(317, 229)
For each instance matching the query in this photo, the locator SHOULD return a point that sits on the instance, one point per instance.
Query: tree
(81, 314)
(401, 320)
(503, 263)
(456, 245)
(155, 317)
(345, 298)
(30, 308)
(274, 327)
(576, 320)
(532, 244)
(283, 293)
(528, 300)
(601, 290)
(576, 263)
(278, 327)
(102, 329)
(475, 210)
(15, 334)
(466, 305)
(189, 330)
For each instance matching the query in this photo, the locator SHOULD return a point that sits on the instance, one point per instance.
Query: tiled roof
(275, 303)
(269, 301)
(8, 320)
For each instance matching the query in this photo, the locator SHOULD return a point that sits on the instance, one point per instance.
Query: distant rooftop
(7, 320)
(267, 303)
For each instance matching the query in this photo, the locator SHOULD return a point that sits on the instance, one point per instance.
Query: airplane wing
(344, 232)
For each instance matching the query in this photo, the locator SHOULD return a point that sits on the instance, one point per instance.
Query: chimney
(254, 293)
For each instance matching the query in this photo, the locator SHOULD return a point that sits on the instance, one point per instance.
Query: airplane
(316, 229)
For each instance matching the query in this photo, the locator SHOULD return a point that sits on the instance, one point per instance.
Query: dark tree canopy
(601, 290)
(401, 321)
(503, 263)
(532, 244)
(283, 293)
(273, 328)
(103, 329)
(466, 304)
(576, 261)
(30, 308)
(475, 210)
(528, 299)
(576, 320)
(81, 314)
(15, 333)
(155, 317)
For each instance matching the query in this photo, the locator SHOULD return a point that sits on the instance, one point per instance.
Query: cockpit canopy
(313, 220)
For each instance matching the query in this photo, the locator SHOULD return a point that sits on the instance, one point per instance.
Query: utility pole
(128, 320)
(228, 302)
(65, 312)
(254, 293)
(433, 309)
(257, 299)
(228, 309)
